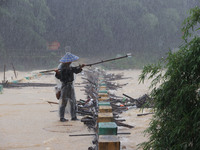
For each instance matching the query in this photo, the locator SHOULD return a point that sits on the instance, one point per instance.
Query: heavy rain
(122, 52)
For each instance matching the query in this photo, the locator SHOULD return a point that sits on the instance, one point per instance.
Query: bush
(175, 125)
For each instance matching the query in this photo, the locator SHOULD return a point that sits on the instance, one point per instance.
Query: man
(65, 73)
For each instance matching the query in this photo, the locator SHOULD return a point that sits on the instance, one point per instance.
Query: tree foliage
(176, 124)
(91, 28)
(112, 26)
(23, 23)
(22, 30)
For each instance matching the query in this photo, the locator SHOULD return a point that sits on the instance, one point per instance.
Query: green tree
(22, 31)
(108, 27)
(23, 23)
(175, 125)
(3, 14)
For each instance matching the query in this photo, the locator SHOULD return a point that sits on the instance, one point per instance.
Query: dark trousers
(67, 95)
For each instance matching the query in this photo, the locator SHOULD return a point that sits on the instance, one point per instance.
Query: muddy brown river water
(28, 122)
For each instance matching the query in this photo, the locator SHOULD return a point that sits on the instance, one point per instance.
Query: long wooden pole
(48, 71)
(103, 61)
(4, 75)
(14, 71)
(125, 133)
(52, 102)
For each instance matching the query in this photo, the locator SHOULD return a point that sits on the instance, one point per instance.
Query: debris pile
(101, 104)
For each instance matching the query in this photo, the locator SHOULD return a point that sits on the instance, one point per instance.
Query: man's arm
(78, 69)
(57, 75)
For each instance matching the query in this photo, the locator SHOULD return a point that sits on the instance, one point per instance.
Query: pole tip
(129, 55)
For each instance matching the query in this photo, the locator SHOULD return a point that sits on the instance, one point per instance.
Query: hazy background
(34, 34)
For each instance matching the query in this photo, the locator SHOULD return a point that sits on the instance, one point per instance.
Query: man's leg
(62, 108)
(73, 105)
(63, 104)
